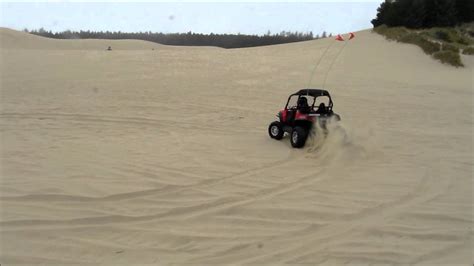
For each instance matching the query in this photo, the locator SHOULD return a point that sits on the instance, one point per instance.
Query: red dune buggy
(303, 109)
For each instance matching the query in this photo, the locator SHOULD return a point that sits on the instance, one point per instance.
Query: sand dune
(161, 156)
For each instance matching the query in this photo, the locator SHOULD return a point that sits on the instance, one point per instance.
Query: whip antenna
(339, 38)
(317, 64)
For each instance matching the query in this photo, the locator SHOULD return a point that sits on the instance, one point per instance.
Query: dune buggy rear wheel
(298, 137)
(275, 130)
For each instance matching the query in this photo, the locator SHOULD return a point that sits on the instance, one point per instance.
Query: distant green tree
(424, 13)
(440, 13)
(189, 38)
(465, 10)
(382, 11)
(416, 15)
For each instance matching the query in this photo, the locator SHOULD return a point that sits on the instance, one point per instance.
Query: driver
(303, 105)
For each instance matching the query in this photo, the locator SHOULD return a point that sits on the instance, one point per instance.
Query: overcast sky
(218, 17)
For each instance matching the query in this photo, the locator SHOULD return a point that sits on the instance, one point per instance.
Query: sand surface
(160, 154)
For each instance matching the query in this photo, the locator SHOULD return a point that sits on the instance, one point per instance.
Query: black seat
(321, 109)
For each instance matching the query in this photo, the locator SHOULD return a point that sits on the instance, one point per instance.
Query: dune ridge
(161, 156)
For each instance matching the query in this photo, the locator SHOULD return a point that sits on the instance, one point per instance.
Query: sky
(202, 17)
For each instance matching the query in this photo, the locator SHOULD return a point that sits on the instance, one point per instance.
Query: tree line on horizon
(189, 38)
(418, 14)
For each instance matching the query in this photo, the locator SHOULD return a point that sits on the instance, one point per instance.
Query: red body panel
(298, 116)
(283, 115)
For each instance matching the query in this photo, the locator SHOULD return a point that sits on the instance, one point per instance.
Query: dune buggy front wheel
(298, 137)
(275, 130)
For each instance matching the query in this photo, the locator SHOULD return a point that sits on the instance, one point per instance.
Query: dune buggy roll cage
(315, 93)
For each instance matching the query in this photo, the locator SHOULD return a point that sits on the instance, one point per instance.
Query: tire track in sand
(112, 119)
(168, 189)
(426, 190)
(183, 212)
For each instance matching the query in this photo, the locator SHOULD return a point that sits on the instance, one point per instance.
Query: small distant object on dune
(109, 48)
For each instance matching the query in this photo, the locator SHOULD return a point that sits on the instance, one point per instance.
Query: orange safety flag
(339, 38)
(352, 36)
